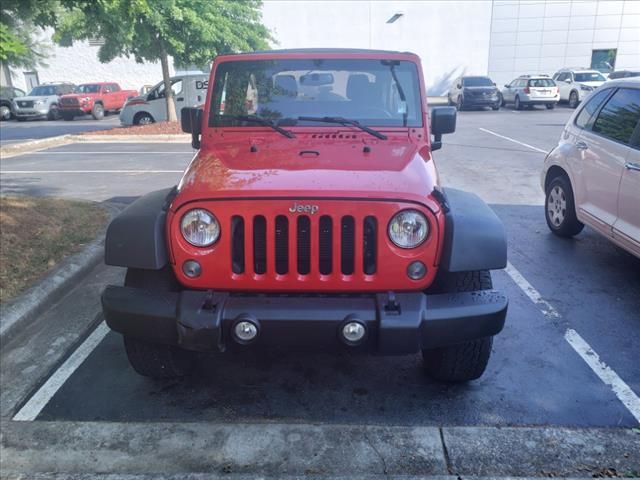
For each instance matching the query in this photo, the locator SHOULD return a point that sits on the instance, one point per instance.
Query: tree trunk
(168, 93)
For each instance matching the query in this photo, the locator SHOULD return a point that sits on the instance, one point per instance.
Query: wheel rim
(145, 120)
(557, 206)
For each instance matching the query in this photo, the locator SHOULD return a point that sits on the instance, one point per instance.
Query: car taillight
(526, 90)
(131, 103)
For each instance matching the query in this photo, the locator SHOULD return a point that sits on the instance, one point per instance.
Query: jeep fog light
(353, 332)
(408, 229)
(200, 228)
(416, 270)
(191, 269)
(245, 331)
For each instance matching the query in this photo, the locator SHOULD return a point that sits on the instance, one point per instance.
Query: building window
(604, 60)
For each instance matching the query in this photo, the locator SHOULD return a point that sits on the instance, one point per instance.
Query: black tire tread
(153, 359)
(465, 361)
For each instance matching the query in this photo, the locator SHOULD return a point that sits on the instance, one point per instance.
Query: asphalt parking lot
(17, 132)
(568, 355)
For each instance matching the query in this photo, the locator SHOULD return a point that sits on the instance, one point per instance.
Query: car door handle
(582, 146)
(632, 166)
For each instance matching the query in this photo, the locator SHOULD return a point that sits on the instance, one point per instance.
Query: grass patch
(36, 233)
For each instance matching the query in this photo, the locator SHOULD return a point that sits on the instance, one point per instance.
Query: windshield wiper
(345, 121)
(262, 121)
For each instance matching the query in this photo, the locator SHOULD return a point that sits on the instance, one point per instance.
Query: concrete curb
(24, 309)
(31, 146)
(15, 149)
(272, 450)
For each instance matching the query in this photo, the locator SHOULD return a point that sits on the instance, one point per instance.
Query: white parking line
(513, 140)
(33, 172)
(546, 308)
(621, 390)
(39, 400)
(606, 374)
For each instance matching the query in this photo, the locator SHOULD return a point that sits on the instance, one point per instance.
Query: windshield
(589, 77)
(477, 82)
(371, 92)
(542, 82)
(43, 90)
(89, 88)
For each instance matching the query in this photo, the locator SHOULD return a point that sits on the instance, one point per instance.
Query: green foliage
(19, 22)
(191, 31)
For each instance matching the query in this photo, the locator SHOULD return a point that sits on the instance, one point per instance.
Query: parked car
(468, 91)
(577, 83)
(42, 102)
(623, 74)
(310, 218)
(593, 176)
(188, 91)
(530, 90)
(94, 98)
(7, 95)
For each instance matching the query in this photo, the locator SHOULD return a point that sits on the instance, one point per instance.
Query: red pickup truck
(94, 98)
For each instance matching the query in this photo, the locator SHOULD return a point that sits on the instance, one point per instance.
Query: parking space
(535, 376)
(16, 132)
(95, 171)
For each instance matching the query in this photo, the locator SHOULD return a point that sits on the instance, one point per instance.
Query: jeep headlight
(408, 228)
(200, 227)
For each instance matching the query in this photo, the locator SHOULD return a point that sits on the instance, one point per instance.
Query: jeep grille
(306, 241)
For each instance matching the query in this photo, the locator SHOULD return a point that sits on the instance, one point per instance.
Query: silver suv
(530, 90)
(42, 101)
(577, 83)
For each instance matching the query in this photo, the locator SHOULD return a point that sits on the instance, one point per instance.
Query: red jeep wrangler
(311, 217)
(94, 98)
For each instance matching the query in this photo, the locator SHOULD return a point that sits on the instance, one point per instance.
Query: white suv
(593, 176)
(576, 83)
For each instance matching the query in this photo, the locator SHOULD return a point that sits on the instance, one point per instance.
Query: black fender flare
(136, 238)
(474, 237)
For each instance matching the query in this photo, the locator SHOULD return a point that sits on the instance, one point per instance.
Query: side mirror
(191, 122)
(568, 80)
(459, 85)
(494, 84)
(443, 121)
(506, 85)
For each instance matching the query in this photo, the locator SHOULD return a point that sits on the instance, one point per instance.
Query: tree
(190, 31)
(19, 23)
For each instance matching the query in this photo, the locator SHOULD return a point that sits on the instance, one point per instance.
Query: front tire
(550, 106)
(54, 113)
(573, 99)
(460, 103)
(97, 112)
(465, 361)
(559, 208)
(153, 359)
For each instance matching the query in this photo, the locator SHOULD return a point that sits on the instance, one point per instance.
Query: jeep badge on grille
(304, 208)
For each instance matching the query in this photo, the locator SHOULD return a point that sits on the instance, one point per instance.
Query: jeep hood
(392, 169)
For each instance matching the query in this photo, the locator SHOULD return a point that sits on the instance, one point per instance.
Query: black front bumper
(480, 102)
(400, 323)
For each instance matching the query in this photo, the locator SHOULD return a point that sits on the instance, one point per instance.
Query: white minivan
(188, 91)
(593, 176)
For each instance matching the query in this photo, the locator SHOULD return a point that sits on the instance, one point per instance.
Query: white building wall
(544, 36)
(79, 64)
(450, 37)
